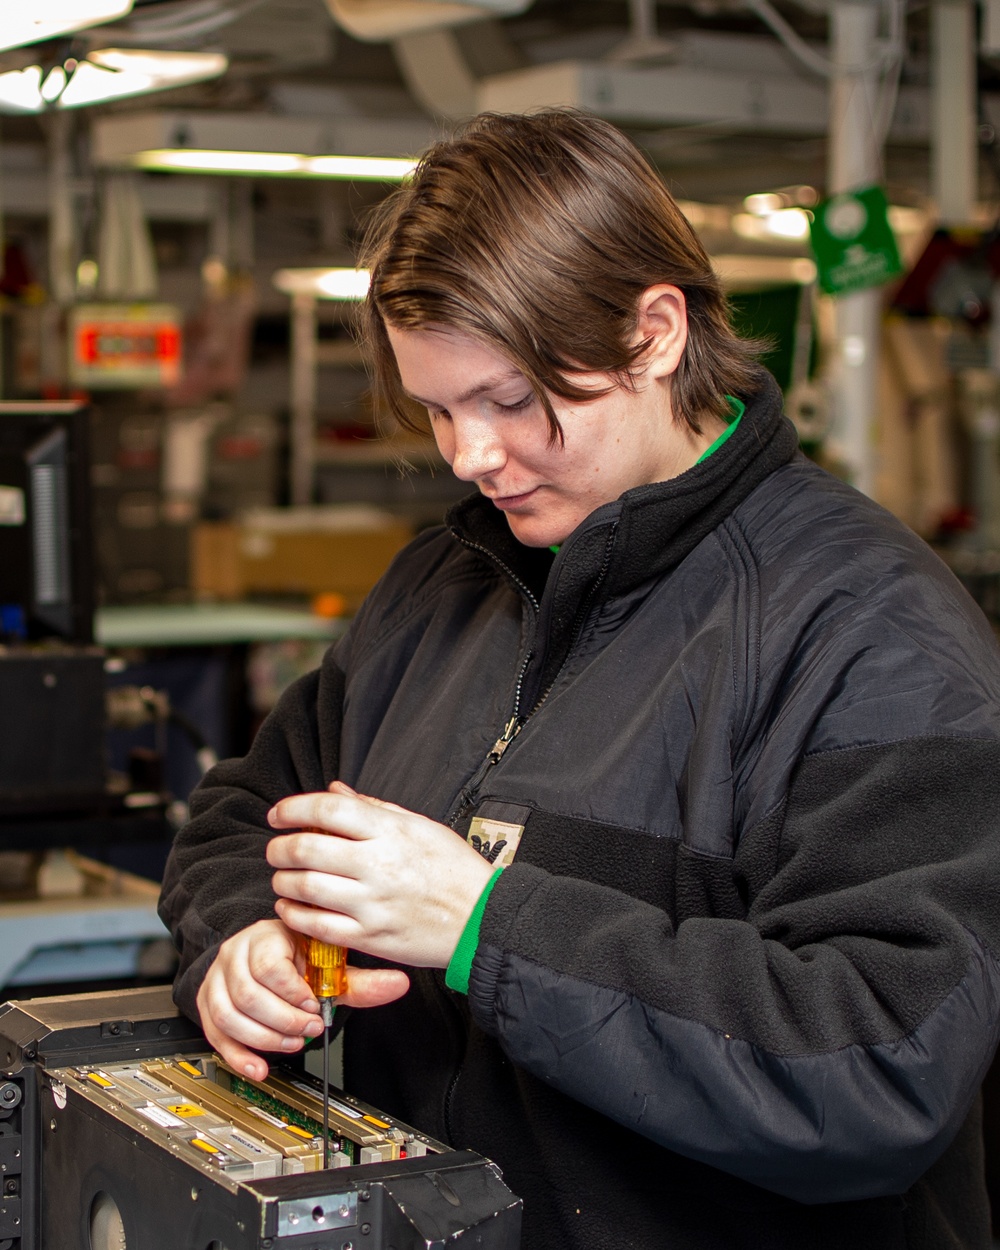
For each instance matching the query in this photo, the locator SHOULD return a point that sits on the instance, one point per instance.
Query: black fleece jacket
(740, 985)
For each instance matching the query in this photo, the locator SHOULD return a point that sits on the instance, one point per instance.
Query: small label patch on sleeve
(496, 840)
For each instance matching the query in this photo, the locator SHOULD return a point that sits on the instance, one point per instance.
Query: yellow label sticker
(185, 1109)
(208, 1148)
(190, 1069)
(299, 1132)
(378, 1123)
(100, 1079)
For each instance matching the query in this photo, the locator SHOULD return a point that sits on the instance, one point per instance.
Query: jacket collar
(649, 529)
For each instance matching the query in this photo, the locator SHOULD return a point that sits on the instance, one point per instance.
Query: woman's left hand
(388, 882)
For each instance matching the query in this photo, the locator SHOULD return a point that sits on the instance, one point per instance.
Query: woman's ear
(661, 317)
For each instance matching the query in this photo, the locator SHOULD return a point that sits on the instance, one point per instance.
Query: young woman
(663, 780)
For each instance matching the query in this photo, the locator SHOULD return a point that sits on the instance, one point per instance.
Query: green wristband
(459, 970)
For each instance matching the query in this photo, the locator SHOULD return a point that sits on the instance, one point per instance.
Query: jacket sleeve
(827, 1044)
(217, 878)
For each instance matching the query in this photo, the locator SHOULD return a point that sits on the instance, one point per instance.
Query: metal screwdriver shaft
(326, 1006)
(326, 974)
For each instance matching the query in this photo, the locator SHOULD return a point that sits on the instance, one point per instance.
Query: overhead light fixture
(202, 161)
(34, 20)
(276, 164)
(774, 227)
(258, 144)
(788, 223)
(778, 214)
(785, 223)
(21, 90)
(106, 74)
(335, 284)
(113, 73)
(764, 203)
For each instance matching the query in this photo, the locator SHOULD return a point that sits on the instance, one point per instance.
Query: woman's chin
(533, 532)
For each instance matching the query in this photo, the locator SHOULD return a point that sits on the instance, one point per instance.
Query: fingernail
(310, 1005)
(253, 1071)
(313, 1029)
(271, 815)
(291, 1043)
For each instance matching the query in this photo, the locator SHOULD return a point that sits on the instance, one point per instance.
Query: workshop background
(196, 490)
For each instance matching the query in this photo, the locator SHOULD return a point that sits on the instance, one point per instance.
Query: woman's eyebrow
(481, 388)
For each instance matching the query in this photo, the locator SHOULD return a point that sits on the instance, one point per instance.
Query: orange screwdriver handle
(326, 968)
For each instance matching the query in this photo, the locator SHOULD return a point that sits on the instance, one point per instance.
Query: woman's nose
(477, 450)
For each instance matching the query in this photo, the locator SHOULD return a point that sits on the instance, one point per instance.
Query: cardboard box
(295, 551)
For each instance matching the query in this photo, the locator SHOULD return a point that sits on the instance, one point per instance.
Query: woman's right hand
(255, 996)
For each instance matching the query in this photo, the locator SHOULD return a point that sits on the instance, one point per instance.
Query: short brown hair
(537, 234)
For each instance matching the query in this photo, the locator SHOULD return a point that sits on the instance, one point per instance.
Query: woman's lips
(510, 503)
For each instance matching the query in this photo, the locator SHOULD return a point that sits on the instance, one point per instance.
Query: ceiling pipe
(379, 21)
(435, 70)
(429, 55)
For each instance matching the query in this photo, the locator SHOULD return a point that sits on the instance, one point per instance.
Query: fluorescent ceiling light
(382, 168)
(764, 203)
(106, 74)
(199, 161)
(28, 21)
(111, 73)
(21, 90)
(53, 85)
(339, 284)
(786, 223)
(282, 164)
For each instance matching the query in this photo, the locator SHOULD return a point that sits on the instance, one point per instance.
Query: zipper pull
(494, 755)
(510, 732)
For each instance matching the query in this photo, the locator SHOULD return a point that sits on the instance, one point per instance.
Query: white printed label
(137, 1078)
(340, 1106)
(266, 1116)
(159, 1116)
(12, 509)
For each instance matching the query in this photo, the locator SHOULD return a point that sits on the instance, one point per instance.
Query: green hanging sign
(853, 243)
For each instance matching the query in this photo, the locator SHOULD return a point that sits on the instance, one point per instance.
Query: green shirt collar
(737, 408)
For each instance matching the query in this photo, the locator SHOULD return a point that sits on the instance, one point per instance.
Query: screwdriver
(326, 974)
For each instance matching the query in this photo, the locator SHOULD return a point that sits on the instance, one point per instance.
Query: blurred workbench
(109, 930)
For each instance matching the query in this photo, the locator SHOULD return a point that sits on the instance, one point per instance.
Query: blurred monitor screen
(46, 578)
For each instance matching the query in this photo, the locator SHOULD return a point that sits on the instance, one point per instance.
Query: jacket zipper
(517, 720)
(495, 753)
(468, 791)
(505, 568)
(513, 726)
(510, 732)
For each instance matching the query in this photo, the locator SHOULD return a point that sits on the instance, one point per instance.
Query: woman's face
(493, 432)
